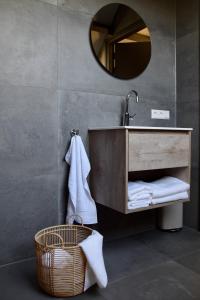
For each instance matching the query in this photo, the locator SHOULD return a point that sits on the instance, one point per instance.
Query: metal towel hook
(74, 132)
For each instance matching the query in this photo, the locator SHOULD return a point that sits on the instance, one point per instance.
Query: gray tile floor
(154, 265)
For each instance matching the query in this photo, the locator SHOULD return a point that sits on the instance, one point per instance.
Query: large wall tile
(28, 52)
(76, 60)
(27, 205)
(187, 16)
(188, 92)
(187, 112)
(85, 110)
(28, 130)
(53, 2)
(191, 208)
(187, 59)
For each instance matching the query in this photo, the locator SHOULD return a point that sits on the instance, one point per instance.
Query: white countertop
(142, 128)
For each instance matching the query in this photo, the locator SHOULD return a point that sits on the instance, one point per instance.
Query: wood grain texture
(158, 150)
(109, 170)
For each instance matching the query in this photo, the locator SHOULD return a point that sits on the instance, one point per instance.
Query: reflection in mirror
(120, 41)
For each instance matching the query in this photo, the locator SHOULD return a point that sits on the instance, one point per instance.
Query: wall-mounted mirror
(120, 41)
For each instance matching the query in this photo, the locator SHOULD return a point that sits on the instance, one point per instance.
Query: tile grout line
(175, 66)
(56, 88)
(58, 121)
(16, 262)
(170, 257)
(171, 260)
(189, 253)
(140, 272)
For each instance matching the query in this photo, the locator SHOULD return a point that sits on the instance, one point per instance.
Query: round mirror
(120, 41)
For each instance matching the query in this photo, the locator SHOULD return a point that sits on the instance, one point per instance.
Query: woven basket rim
(39, 234)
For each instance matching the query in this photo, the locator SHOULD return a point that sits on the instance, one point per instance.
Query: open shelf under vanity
(123, 154)
(150, 175)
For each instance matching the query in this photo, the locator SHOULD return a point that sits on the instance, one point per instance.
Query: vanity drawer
(157, 150)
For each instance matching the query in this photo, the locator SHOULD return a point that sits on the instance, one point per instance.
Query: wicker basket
(61, 262)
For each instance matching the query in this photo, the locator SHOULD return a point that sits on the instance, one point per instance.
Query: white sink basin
(142, 128)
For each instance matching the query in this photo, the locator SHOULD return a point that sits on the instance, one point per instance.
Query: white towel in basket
(95, 269)
(61, 259)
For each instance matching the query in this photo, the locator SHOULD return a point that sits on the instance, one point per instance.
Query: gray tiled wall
(50, 83)
(188, 93)
(28, 124)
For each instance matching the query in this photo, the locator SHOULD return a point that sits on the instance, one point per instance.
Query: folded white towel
(139, 204)
(80, 201)
(166, 186)
(95, 270)
(138, 191)
(135, 187)
(140, 197)
(178, 196)
(159, 191)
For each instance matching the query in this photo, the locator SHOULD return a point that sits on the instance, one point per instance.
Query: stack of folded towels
(142, 194)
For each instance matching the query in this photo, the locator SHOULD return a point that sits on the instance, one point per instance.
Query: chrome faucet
(127, 117)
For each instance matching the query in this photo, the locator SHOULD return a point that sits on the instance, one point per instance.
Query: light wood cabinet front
(158, 150)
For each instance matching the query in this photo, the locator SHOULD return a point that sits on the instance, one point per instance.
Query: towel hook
(74, 132)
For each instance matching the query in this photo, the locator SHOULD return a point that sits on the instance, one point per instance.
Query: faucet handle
(132, 117)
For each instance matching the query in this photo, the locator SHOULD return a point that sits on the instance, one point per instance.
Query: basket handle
(74, 215)
(56, 234)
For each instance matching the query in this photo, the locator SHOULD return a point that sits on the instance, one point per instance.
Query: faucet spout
(130, 94)
(127, 116)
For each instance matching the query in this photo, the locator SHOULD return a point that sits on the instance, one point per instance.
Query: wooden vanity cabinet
(121, 154)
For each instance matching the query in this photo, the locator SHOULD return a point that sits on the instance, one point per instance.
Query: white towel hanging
(80, 201)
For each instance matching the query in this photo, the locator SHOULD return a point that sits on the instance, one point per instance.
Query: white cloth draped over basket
(95, 268)
(80, 201)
